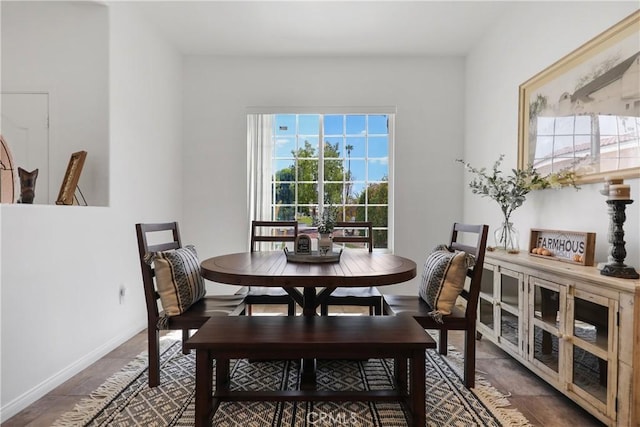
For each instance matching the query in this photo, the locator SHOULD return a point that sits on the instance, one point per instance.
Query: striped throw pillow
(443, 279)
(178, 279)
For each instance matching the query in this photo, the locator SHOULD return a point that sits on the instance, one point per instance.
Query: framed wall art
(583, 112)
(71, 177)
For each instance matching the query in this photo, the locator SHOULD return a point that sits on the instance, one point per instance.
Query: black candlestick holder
(618, 253)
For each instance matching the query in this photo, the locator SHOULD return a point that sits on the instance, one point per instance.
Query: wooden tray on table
(313, 258)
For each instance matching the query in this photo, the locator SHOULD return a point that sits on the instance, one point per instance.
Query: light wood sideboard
(573, 327)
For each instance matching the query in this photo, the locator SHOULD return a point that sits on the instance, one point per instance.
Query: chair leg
(470, 358)
(153, 338)
(378, 308)
(443, 344)
(185, 337)
(292, 308)
(324, 309)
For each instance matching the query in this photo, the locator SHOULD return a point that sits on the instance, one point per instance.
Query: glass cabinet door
(592, 355)
(547, 302)
(486, 300)
(510, 285)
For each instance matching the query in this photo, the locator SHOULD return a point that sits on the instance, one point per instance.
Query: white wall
(520, 45)
(61, 48)
(428, 94)
(62, 266)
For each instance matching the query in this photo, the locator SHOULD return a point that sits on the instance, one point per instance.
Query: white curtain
(259, 128)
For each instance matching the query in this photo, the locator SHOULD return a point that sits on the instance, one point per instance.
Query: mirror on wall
(55, 95)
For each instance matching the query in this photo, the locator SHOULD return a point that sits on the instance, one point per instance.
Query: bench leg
(308, 374)
(223, 375)
(204, 388)
(400, 374)
(418, 406)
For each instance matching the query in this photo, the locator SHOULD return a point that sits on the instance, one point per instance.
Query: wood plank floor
(539, 402)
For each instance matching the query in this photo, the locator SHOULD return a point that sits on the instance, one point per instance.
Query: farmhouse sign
(570, 246)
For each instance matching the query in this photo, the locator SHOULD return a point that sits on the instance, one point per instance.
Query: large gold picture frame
(71, 177)
(583, 112)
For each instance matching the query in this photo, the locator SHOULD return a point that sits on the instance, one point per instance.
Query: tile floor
(539, 402)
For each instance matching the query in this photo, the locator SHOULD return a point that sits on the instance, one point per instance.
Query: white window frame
(389, 111)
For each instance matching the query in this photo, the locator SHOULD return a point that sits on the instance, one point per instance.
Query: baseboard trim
(30, 396)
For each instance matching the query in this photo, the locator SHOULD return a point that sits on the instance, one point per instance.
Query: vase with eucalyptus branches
(510, 193)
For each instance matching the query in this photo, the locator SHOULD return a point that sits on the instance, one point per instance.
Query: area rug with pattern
(126, 400)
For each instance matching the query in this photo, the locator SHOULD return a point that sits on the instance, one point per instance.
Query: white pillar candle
(619, 192)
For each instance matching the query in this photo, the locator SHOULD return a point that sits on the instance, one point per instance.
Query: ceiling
(323, 28)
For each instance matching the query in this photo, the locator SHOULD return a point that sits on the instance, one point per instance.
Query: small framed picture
(303, 244)
(71, 177)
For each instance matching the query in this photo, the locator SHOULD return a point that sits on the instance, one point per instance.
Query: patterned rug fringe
(86, 409)
(498, 403)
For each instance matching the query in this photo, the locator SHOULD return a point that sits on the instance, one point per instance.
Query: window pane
(284, 147)
(307, 170)
(333, 170)
(378, 170)
(285, 124)
(545, 125)
(331, 150)
(308, 124)
(583, 125)
(378, 125)
(355, 147)
(355, 125)
(336, 142)
(378, 146)
(333, 194)
(306, 149)
(309, 144)
(356, 170)
(563, 146)
(544, 145)
(333, 125)
(285, 193)
(377, 215)
(608, 125)
(340, 212)
(284, 170)
(355, 193)
(380, 239)
(564, 125)
(377, 193)
(350, 213)
(583, 143)
(307, 194)
(285, 213)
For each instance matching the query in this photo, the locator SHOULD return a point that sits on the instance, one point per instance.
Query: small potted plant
(326, 222)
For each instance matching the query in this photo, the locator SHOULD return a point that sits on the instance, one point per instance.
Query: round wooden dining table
(271, 268)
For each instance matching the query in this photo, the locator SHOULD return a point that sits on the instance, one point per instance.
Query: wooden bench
(326, 337)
